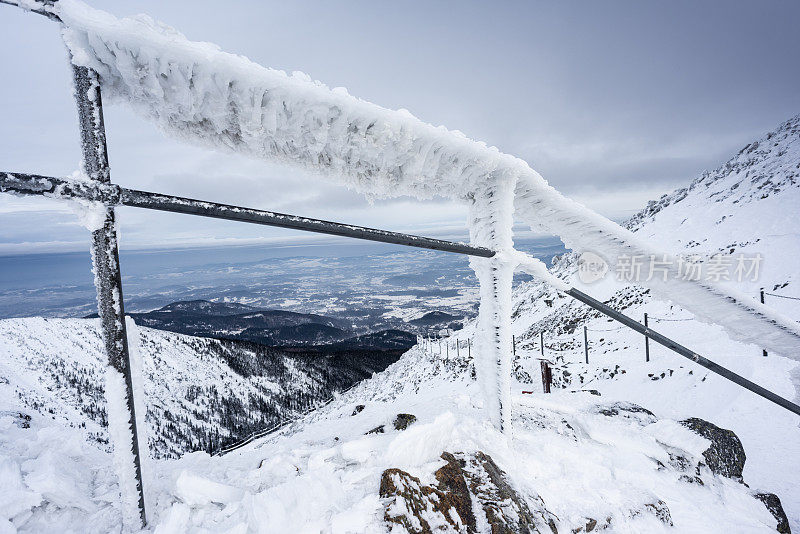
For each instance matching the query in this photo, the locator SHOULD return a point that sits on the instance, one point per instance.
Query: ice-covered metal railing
(201, 94)
(114, 195)
(198, 93)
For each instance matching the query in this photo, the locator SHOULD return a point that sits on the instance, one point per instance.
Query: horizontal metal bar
(156, 201)
(45, 8)
(35, 184)
(115, 195)
(683, 351)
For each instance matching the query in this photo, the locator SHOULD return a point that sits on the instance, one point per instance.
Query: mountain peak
(759, 170)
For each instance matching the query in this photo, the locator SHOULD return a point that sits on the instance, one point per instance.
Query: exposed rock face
(419, 509)
(358, 409)
(401, 422)
(506, 511)
(451, 480)
(462, 481)
(627, 410)
(773, 504)
(725, 456)
(404, 420)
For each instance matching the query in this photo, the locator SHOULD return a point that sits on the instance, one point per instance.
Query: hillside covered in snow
(620, 445)
(201, 393)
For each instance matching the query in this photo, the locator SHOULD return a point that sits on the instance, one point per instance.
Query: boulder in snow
(773, 504)
(466, 485)
(726, 455)
(404, 420)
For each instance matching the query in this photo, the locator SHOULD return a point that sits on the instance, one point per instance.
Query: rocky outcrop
(773, 504)
(403, 421)
(466, 485)
(627, 410)
(726, 455)
(418, 508)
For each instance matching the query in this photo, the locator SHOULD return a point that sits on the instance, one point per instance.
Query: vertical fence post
(585, 345)
(447, 349)
(513, 345)
(541, 342)
(547, 376)
(646, 342)
(469, 348)
(762, 302)
(458, 352)
(105, 259)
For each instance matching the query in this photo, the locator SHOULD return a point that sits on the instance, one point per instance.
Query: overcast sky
(613, 103)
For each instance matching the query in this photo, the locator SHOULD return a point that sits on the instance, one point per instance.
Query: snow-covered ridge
(198, 93)
(198, 391)
(748, 205)
(586, 459)
(762, 168)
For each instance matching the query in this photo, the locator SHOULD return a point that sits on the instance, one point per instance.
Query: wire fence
(444, 346)
(781, 296)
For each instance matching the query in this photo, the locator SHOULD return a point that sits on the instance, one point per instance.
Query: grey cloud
(613, 102)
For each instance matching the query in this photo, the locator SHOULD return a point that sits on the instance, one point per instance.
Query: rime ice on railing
(200, 94)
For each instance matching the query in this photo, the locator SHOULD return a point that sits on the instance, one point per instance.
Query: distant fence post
(762, 302)
(541, 342)
(547, 376)
(469, 348)
(585, 344)
(513, 345)
(458, 352)
(646, 342)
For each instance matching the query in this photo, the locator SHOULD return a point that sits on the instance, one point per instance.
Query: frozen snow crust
(198, 93)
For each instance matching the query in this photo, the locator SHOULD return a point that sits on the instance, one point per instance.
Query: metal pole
(156, 201)
(541, 342)
(585, 345)
(105, 258)
(683, 351)
(646, 342)
(513, 345)
(469, 348)
(546, 376)
(762, 302)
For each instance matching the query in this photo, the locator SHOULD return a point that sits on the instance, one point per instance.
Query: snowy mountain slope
(587, 466)
(201, 393)
(749, 205)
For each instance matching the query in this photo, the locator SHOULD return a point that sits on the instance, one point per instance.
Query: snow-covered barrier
(200, 94)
